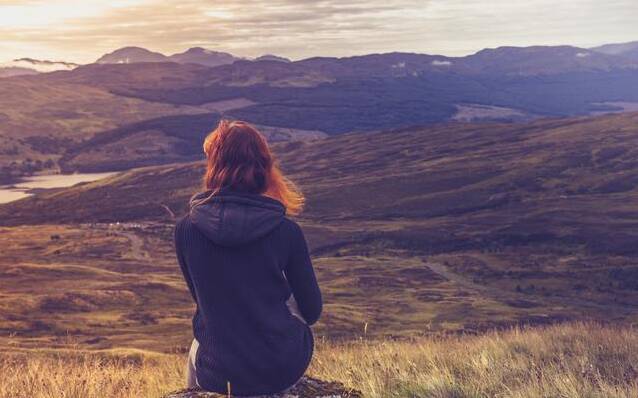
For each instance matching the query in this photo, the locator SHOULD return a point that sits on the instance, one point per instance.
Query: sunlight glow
(219, 14)
(53, 13)
(82, 31)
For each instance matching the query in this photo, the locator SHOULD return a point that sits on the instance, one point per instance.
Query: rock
(307, 387)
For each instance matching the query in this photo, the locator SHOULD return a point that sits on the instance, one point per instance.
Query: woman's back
(242, 258)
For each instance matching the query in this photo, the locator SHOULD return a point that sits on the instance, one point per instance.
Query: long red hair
(238, 158)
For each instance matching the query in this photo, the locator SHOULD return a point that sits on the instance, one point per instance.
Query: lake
(22, 189)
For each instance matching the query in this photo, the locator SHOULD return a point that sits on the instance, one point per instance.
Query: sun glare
(219, 14)
(41, 14)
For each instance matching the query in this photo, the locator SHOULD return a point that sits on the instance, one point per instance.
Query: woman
(245, 263)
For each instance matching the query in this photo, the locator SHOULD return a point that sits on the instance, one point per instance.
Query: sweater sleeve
(302, 279)
(179, 248)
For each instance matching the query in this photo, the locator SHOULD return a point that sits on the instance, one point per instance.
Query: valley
(105, 286)
(468, 174)
(463, 227)
(136, 108)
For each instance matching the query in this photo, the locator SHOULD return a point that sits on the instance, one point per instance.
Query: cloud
(66, 29)
(40, 66)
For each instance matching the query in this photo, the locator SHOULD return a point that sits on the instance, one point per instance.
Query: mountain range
(89, 118)
(127, 55)
(195, 55)
(529, 61)
(626, 50)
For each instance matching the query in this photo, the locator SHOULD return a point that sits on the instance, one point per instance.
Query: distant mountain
(325, 94)
(130, 55)
(627, 50)
(380, 65)
(195, 55)
(202, 56)
(518, 61)
(510, 61)
(11, 71)
(378, 91)
(270, 57)
(542, 60)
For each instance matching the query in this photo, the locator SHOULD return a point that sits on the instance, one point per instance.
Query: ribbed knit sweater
(242, 258)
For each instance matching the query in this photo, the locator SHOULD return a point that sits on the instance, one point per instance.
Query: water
(20, 190)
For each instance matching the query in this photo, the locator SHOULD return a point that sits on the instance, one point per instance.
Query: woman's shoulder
(292, 231)
(183, 227)
(291, 225)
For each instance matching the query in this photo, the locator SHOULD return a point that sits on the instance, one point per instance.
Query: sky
(81, 31)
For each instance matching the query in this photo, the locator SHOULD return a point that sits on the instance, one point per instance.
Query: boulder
(307, 387)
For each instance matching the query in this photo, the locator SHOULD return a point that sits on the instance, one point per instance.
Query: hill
(543, 60)
(464, 227)
(381, 91)
(174, 139)
(195, 55)
(533, 60)
(202, 56)
(129, 55)
(40, 120)
(626, 50)
(522, 173)
(312, 97)
(11, 71)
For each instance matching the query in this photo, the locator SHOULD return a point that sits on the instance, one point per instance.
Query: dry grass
(39, 374)
(576, 360)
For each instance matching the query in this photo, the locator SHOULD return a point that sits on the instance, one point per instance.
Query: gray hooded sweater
(242, 259)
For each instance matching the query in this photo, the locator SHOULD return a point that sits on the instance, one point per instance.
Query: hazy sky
(81, 31)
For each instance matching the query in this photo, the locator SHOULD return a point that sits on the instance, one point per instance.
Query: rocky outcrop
(307, 387)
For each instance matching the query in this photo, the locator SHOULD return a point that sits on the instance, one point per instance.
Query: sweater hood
(230, 218)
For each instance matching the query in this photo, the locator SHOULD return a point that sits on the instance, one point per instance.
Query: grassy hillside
(416, 234)
(106, 286)
(459, 186)
(40, 120)
(462, 228)
(169, 139)
(571, 361)
(80, 116)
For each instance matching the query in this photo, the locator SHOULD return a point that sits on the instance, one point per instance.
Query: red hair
(238, 158)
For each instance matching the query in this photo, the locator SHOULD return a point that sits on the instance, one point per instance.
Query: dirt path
(445, 272)
(129, 231)
(137, 252)
(507, 295)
